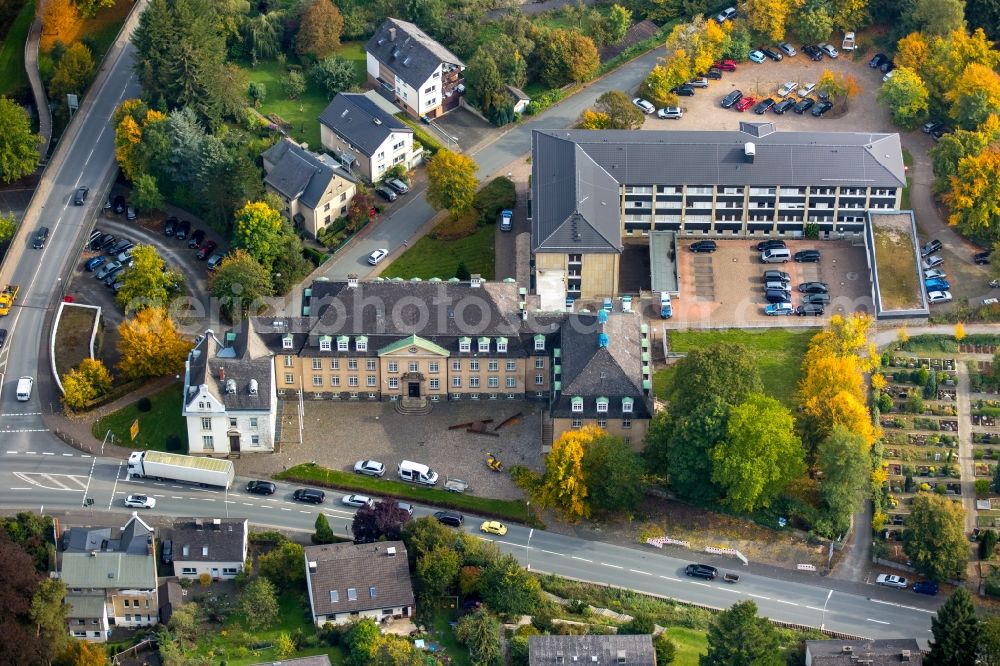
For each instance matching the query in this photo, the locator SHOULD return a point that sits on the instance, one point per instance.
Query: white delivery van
(24, 385)
(778, 255)
(417, 473)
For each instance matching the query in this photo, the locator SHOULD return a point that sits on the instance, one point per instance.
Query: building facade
(592, 192)
(366, 139)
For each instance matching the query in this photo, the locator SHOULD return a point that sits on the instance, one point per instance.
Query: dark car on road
(197, 238)
(167, 556)
(183, 229)
(207, 249)
(982, 258)
(771, 53)
(261, 488)
(931, 125)
(803, 105)
(683, 91)
(814, 309)
(877, 60)
(778, 296)
(930, 247)
(704, 246)
(821, 108)
(105, 242)
(309, 495)
(3, 336)
(119, 205)
(763, 105)
(887, 66)
(41, 236)
(940, 132)
(807, 256)
(450, 518)
(770, 245)
(813, 288)
(925, 587)
(701, 571)
(170, 226)
(731, 98)
(783, 105)
(81, 196)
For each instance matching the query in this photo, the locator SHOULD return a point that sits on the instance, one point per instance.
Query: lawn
(484, 506)
(691, 644)
(896, 263)
(444, 635)
(778, 353)
(73, 337)
(661, 382)
(14, 78)
(905, 198)
(430, 257)
(163, 420)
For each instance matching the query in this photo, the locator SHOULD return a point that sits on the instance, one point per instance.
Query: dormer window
(325, 343)
(342, 343)
(502, 345)
(287, 341)
(602, 405)
(627, 405)
(539, 342)
(484, 345)
(577, 403)
(464, 344)
(361, 343)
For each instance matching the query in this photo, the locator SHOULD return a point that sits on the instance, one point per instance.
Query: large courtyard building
(593, 192)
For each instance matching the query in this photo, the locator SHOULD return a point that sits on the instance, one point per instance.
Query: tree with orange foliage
(150, 345)
(58, 17)
(319, 30)
(912, 51)
(564, 485)
(840, 87)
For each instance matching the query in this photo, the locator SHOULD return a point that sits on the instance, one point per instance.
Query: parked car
(888, 75)
(94, 235)
(670, 112)
(762, 106)
(386, 192)
(130, 213)
(644, 105)
(877, 60)
(813, 288)
(704, 246)
(398, 185)
(772, 244)
(778, 296)
(506, 219)
(126, 255)
(169, 226)
(803, 105)
(683, 91)
(167, 552)
(725, 65)
(369, 468)
(890, 580)
(810, 309)
(725, 15)
(772, 54)
(940, 132)
(887, 66)
(713, 73)
(806, 89)
(106, 241)
(829, 50)
(929, 127)
(109, 268)
(925, 587)
(937, 284)
(406, 506)
(3, 337)
(183, 229)
(309, 495)
(493, 527)
(779, 309)
(206, 250)
(821, 108)
(930, 247)
(982, 258)
(701, 571)
(450, 518)
(215, 260)
(699, 82)
(807, 256)
(787, 49)
(140, 502)
(757, 56)
(40, 238)
(196, 239)
(938, 296)
(94, 263)
(781, 285)
(357, 501)
(261, 488)
(80, 197)
(119, 205)
(119, 247)
(114, 279)
(378, 255)
(771, 275)
(934, 274)
(787, 88)
(783, 105)
(932, 261)
(817, 299)
(745, 104)
(813, 52)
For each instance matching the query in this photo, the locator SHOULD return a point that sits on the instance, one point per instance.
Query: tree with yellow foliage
(959, 332)
(902, 335)
(58, 17)
(593, 120)
(564, 485)
(847, 337)
(879, 381)
(912, 51)
(974, 199)
(85, 383)
(975, 96)
(131, 119)
(767, 17)
(150, 345)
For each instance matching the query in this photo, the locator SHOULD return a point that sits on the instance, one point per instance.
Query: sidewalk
(37, 89)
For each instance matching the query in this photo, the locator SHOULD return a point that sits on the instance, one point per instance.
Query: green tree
(147, 194)
(262, 33)
(666, 650)
(462, 272)
(148, 283)
(723, 371)
(437, 571)
(485, 86)
(813, 23)
(319, 30)
(89, 8)
(987, 541)
(618, 22)
(976, 96)
(8, 226)
(566, 56)
(18, 146)
(258, 230)
(934, 538)
(451, 181)
(283, 565)
(332, 74)
(937, 17)
(294, 83)
(48, 615)
(760, 455)
(323, 533)
(906, 97)
(621, 112)
(362, 641)
(681, 447)
(844, 460)
(956, 631)
(951, 148)
(424, 535)
(258, 604)
(508, 588)
(614, 474)
(989, 641)
(737, 637)
(480, 632)
(284, 646)
(985, 15)
(73, 73)
(974, 199)
(238, 283)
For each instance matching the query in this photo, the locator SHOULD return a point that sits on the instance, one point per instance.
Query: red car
(745, 103)
(206, 250)
(726, 66)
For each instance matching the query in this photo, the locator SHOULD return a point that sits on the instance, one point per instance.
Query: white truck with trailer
(175, 467)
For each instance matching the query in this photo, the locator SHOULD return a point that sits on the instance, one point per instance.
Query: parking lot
(863, 113)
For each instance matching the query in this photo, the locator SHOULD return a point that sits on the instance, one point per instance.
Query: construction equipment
(493, 462)
(7, 297)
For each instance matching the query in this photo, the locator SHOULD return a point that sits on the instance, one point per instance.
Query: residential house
(347, 581)
(593, 191)
(365, 138)
(880, 652)
(213, 546)
(230, 404)
(630, 650)
(110, 579)
(520, 99)
(418, 74)
(315, 189)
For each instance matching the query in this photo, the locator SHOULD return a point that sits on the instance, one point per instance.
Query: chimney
(392, 34)
(904, 655)
(217, 523)
(391, 551)
(198, 523)
(749, 150)
(559, 658)
(476, 281)
(352, 281)
(312, 567)
(222, 374)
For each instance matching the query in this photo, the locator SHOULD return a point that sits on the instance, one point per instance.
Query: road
(57, 483)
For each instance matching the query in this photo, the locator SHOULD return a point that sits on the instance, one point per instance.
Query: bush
(811, 231)
(144, 404)
(987, 544)
(173, 443)
(884, 403)
(982, 487)
(496, 196)
(454, 228)
(315, 256)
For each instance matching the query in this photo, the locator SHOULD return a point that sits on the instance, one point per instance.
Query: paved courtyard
(336, 434)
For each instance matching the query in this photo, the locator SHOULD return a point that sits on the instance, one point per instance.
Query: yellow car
(493, 527)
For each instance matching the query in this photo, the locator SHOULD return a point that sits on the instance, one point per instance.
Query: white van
(778, 255)
(24, 385)
(417, 473)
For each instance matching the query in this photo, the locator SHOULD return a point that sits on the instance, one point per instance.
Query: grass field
(430, 257)
(163, 420)
(691, 644)
(778, 353)
(458, 655)
(896, 263)
(73, 338)
(13, 78)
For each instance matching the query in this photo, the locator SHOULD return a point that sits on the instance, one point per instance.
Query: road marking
(12, 453)
(246, 504)
(877, 621)
(695, 582)
(549, 552)
(27, 430)
(676, 580)
(789, 603)
(613, 566)
(47, 453)
(644, 573)
(728, 589)
(815, 609)
(67, 455)
(285, 508)
(19, 488)
(892, 603)
(582, 559)
(176, 497)
(301, 511)
(757, 596)
(206, 499)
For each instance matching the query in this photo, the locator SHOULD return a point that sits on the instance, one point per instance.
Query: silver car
(369, 468)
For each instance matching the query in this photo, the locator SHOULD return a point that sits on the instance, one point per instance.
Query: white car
(789, 86)
(934, 274)
(369, 467)
(725, 14)
(890, 580)
(806, 89)
(357, 500)
(938, 296)
(377, 256)
(140, 502)
(644, 105)
(829, 50)
(888, 75)
(932, 261)
(674, 112)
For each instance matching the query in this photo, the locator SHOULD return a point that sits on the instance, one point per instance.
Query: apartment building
(594, 191)
(365, 138)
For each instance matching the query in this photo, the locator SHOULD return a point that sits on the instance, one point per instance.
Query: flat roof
(663, 261)
(894, 261)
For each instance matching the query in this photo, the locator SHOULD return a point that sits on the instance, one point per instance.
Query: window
(201, 405)
(208, 442)
(577, 403)
(502, 345)
(432, 367)
(494, 364)
(456, 382)
(414, 366)
(289, 378)
(255, 440)
(627, 424)
(253, 421)
(493, 381)
(393, 366)
(602, 405)
(189, 570)
(371, 591)
(206, 424)
(232, 422)
(456, 365)
(474, 382)
(539, 379)
(334, 381)
(342, 343)
(371, 380)
(334, 596)
(627, 405)
(361, 343)
(335, 364)
(317, 364)
(352, 364)
(435, 384)
(317, 380)
(511, 382)
(474, 396)
(577, 423)
(464, 344)
(370, 364)
(126, 603)
(602, 422)
(230, 571)
(474, 365)
(430, 89)
(539, 362)
(539, 342)
(484, 345)
(325, 343)
(288, 361)
(398, 146)
(352, 594)
(393, 382)
(352, 380)
(286, 341)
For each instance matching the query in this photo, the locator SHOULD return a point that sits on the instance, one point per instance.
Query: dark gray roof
(360, 121)
(408, 51)
(134, 538)
(241, 360)
(209, 540)
(880, 652)
(109, 570)
(336, 569)
(297, 173)
(590, 371)
(576, 173)
(171, 597)
(517, 93)
(637, 650)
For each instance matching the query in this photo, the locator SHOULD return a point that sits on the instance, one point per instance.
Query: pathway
(966, 467)
(37, 89)
(858, 555)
